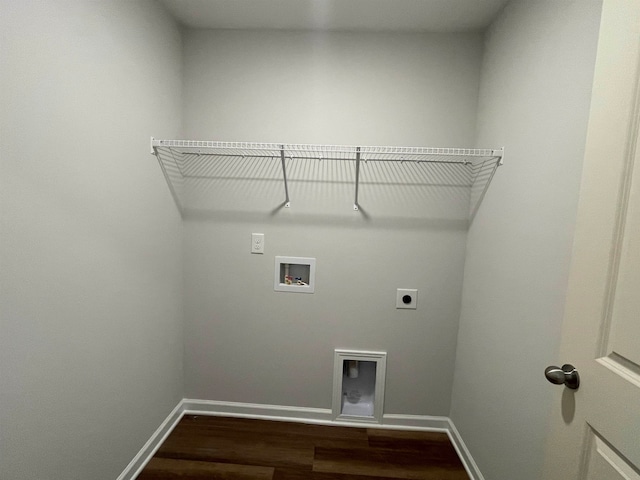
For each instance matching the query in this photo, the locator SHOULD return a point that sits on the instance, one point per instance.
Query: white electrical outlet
(257, 243)
(407, 298)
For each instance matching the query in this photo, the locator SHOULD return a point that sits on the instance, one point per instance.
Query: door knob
(567, 375)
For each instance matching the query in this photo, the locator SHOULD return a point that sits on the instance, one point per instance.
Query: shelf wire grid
(201, 160)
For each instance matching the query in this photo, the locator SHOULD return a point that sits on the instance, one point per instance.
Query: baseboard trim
(254, 410)
(463, 452)
(416, 422)
(149, 449)
(318, 416)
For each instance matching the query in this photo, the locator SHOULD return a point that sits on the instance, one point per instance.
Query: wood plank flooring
(221, 448)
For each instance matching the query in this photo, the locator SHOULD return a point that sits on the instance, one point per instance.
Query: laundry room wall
(91, 277)
(534, 99)
(243, 341)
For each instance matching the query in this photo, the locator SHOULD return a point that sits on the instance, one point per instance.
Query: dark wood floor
(240, 449)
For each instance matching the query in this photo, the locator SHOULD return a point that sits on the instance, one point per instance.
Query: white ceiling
(343, 15)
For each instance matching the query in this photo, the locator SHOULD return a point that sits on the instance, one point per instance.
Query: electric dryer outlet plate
(407, 298)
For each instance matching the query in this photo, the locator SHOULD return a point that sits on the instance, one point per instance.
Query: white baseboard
(415, 422)
(149, 449)
(255, 410)
(463, 452)
(318, 416)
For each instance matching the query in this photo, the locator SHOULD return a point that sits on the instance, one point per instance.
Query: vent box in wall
(358, 386)
(295, 274)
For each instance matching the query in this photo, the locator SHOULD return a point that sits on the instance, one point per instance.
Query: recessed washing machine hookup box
(295, 274)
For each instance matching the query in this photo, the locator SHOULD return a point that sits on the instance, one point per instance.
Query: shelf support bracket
(287, 203)
(355, 203)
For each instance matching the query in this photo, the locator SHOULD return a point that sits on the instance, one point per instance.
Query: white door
(595, 430)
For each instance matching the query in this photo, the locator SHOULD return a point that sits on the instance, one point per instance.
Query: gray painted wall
(243, 341)
(91, 270)
(534, 99)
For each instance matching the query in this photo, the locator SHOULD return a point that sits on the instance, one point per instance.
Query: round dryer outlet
(407, 298)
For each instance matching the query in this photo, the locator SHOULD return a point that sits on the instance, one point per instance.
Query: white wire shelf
(191, 159)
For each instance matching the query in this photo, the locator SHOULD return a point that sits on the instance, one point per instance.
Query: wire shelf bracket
(356, 207)
(287, 203)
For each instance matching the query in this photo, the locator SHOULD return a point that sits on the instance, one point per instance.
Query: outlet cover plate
(407, 298)
(257, 243)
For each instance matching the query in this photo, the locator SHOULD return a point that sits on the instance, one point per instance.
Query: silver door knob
(567, 375)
